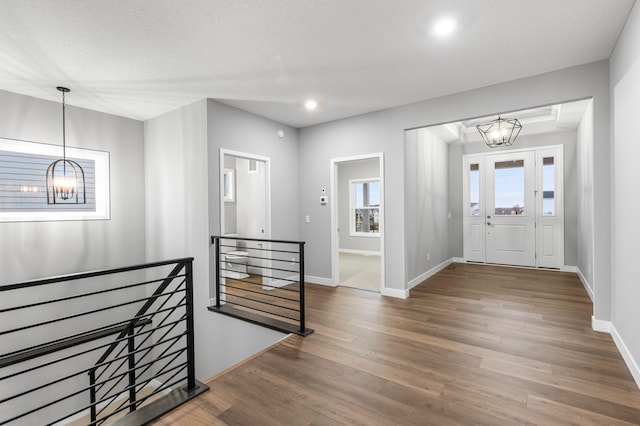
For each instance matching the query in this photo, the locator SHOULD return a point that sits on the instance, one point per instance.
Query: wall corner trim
(394, 292)
(600, 325)
(626, 355)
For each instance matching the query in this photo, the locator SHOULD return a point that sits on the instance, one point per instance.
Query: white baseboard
(458, 260)
(417, 280)
(283, 282)
(394, 292)
(319, 280)
(362, 252)
(600, 325)
(569, 268)
(585, 283)
(626, 355)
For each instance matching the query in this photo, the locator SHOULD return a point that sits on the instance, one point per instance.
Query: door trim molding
(333, 201)
(480, 157)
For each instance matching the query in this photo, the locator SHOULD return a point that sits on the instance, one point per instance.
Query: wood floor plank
(474, 344)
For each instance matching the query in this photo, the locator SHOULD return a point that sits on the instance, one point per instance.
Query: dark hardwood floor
(473, 344)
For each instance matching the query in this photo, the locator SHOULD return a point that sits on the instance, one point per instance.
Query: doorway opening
(245, 212)
(357, 238)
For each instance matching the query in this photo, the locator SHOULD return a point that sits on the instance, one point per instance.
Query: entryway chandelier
(500, 132)
(65, 178)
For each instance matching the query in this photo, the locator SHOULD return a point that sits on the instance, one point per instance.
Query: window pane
(474, 190)
(509, 188)
(374, 193)
(367, 220)
(359, 195)
(548, 187)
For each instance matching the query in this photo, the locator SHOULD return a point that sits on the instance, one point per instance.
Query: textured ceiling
(142, 58)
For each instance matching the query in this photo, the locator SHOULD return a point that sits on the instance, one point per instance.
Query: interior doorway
(357, 202)
(245, 210)
(513, 207)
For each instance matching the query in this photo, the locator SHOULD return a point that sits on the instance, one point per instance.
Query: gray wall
(625, 92)
(178, 224)
(358, 169)
(426, 202)
(584, 185)
(233, 129)
(384, 132)
(565, 138)
(30, 250)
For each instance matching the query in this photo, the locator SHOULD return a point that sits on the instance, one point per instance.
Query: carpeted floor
(360, 271)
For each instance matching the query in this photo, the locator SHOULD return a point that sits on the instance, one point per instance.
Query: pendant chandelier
(65, 178)
(500, 132)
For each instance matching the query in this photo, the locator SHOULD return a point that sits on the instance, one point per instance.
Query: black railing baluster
(262, 297)
(191, 364)
(302, 317)
(217, 277)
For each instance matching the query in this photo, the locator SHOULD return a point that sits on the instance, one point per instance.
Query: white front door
(513, 208)
(510, 215)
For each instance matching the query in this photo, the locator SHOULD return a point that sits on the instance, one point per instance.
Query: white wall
(30, 250)
(426, 205)
(625, 93)
(230, 207)
(357, 169)
(251, 196)
(384, 132)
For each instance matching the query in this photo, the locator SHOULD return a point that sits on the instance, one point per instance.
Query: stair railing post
(132, 369)
(92, 394)
(217, 250)
(302, 319)
(191, 363)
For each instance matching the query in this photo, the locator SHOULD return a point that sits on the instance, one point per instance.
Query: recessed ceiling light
(444, 27)
(311, 104)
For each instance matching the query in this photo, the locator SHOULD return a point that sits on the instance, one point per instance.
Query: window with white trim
(364, 207)
(23, 192)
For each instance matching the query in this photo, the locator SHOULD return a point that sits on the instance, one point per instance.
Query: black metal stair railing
(63, 363)
(261, 281)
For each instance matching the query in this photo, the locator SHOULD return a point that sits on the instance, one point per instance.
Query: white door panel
(510, 225)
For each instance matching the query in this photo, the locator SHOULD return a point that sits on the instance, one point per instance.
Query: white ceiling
(142, 58)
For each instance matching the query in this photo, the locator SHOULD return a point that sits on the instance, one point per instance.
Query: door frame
(333, 202)
(539, 152)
